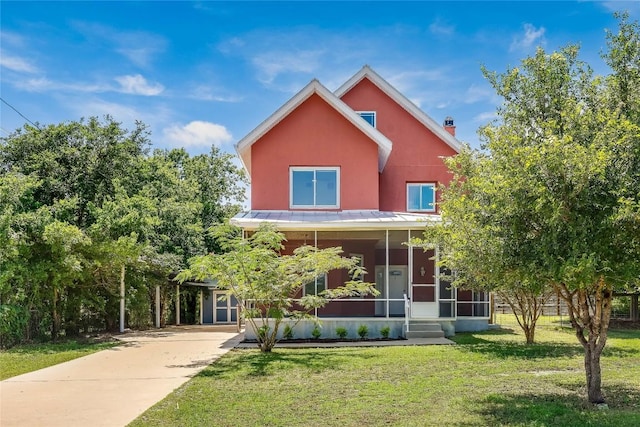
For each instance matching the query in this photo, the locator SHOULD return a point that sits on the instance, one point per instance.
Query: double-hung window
(314, 187)
(421, 197)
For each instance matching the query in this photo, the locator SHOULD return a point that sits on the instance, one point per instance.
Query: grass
(489, 378)
(31, 357)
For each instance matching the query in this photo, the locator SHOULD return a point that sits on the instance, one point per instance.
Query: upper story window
(314, 187)
(421, 197)
(369, 116)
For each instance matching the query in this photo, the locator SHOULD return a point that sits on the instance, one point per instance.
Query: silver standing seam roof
(335, 220)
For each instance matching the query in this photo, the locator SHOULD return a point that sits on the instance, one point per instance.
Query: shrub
(287, 334)
(341, 332)
(363, 331)
(385, 332)
(316, 332)
(13, 322)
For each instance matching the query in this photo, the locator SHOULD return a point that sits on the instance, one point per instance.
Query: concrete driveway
(114, 386)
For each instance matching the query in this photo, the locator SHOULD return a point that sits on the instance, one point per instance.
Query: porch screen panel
(363, 244)
(447, 295)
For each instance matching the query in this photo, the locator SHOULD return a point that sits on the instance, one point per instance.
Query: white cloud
(151, 113)
(140, 47)
(440, 28)
(285, 60)
(531, 36)
(99, 107)
(479, 93)
(404, 81)
(633, 7)
(197, 134)
(16, 63)
(485, 117)
(138, 85)
(207, 93)
(43, 84)
(11, 38)
(271, 64)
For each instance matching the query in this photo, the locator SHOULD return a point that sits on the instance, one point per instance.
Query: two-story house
(360, 168)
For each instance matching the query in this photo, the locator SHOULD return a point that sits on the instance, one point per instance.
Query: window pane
(319, 284)
(413, 198)
(427, 198)
(326, 185)
(310, 288)
(369, 117)
(302, 188)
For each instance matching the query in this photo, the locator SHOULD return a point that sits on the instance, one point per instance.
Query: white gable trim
(403, 101)
(243, 147)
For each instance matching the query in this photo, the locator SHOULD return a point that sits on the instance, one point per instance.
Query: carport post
(122, 298)
(158, 306)
(177, 305)
(201, 317)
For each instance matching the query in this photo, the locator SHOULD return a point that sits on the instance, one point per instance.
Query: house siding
(314, 134)
(416, 154)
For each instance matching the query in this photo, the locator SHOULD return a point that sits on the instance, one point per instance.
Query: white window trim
(421, 184)
(293, 169)
(326, 285)
(375, 117)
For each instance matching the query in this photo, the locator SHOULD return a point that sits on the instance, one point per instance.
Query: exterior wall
(314, 134)
(416, 150)
(328, 327)
(471, 325)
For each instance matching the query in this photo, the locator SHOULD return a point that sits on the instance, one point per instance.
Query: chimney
(449, 126)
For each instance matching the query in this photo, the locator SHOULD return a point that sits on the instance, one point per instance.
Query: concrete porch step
(423, 329)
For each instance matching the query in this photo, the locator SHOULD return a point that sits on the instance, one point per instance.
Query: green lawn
(489, 378)
(26, 358)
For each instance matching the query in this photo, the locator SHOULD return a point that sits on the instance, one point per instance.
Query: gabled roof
(243, 147)
(403, 101)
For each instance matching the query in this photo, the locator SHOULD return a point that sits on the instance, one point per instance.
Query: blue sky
(203, 73)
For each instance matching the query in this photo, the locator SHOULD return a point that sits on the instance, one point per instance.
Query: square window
(316, 286)
(421, 197)
(314, 187)
(369, 116)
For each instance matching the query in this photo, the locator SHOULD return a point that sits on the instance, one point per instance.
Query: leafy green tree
(267, 284)
(553, 198)
(138, 213)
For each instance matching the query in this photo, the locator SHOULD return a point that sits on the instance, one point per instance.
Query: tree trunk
(55, 318)
(530, 334)
(72, 312)
(590, 311)
(526, 307)
(593, 372)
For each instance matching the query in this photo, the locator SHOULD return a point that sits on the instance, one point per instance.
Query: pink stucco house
(360, 168)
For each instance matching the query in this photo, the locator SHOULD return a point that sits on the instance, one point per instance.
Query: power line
(21, 115)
